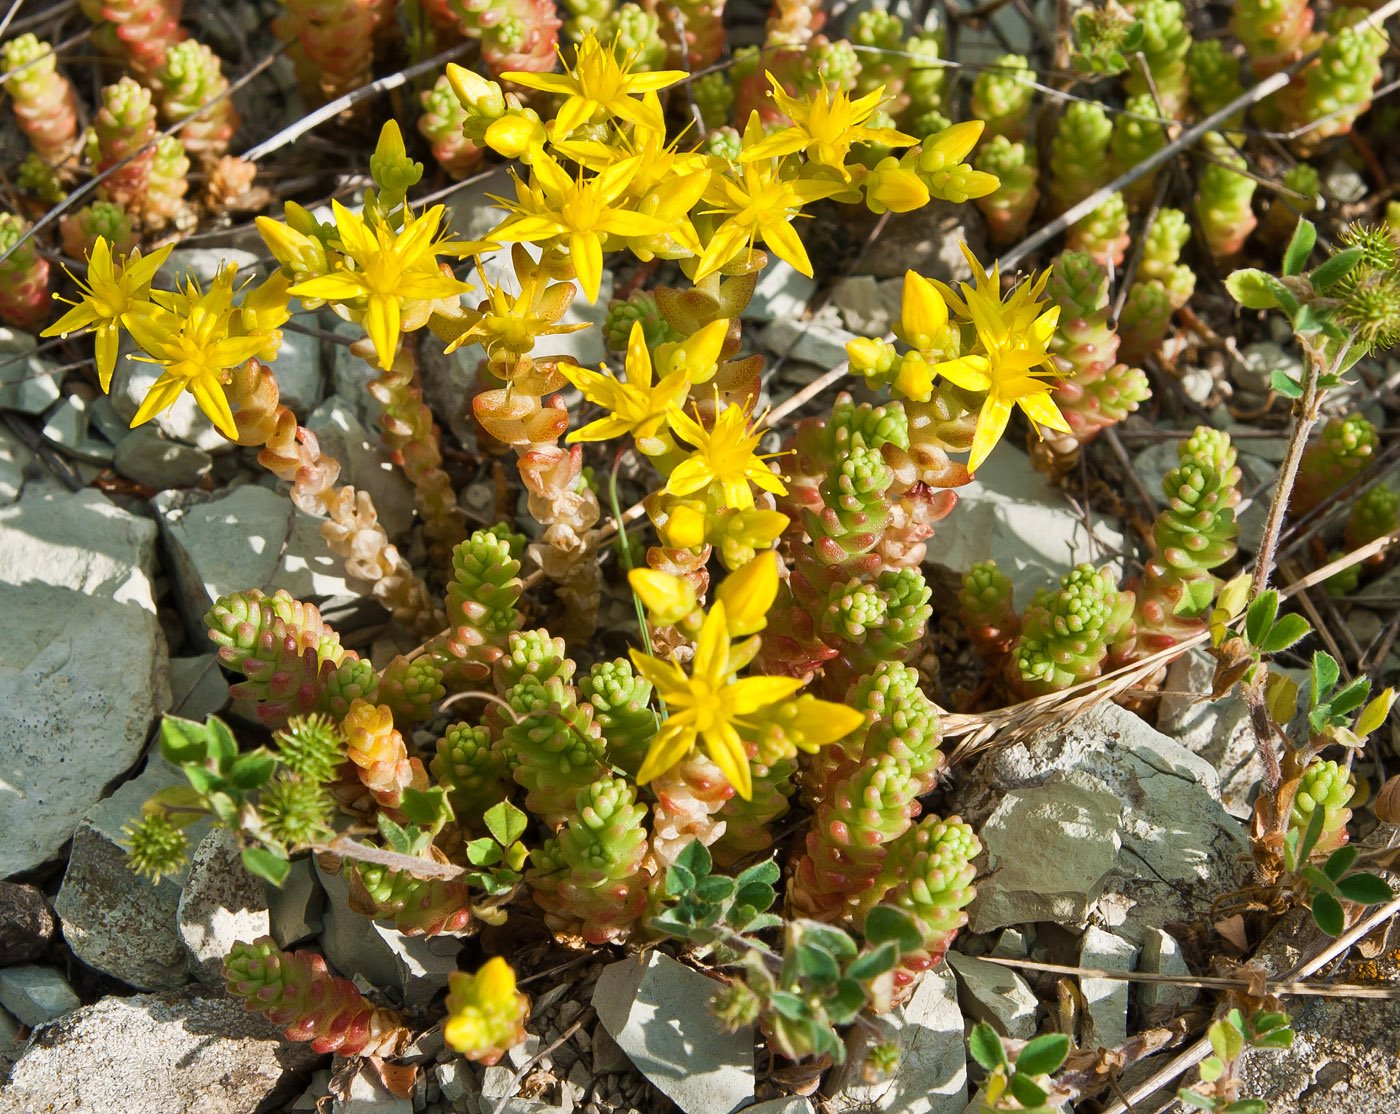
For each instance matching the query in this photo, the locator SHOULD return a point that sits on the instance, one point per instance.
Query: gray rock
(792, 1104)
(657, 1010)
(1014, 516)
(423, 962)
(1104, 784)
(868, 308)
(366, 1095)
(1161, 955)
(154, 1054)
(1013, 944)
(932, 1073)
(782, 292)
(26, 923)
(814, 342)
(27, 382)
(1105, 1023)
(197, 687)
(295, 908)
(149, 458)
(1343, 181)
(235, 541)
(1254, 373)
(459, 1087)
(106, 421)
(115, 920)
(364, 463)
(36, 994)
(995, 994)
(78, 569)
(15, 460)
(221, 903)
(350, 375)
(11, 1043)
(1216, 730)
(298, 369)
(928, 241)
(66, 426)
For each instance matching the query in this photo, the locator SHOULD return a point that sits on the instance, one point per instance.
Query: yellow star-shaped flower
(600, 81)
(724, 456)
(825, 126)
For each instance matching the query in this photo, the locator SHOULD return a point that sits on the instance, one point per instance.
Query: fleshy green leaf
(873, 963)
(1327, 912)
(1364, 889)
(1043, 1055)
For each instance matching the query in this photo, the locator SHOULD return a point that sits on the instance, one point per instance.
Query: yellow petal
(161, 396)
(108, 340)
(752, 693)
(712, 648)
(727, 750)
(922, 310)
(382, 325)
(991, 424)
(748, 594)
(638, 357)
(586, 254)
(668, 746)
(663, 675)
(669, 598)
(213, 400)
(779, 235)
(1039, 408)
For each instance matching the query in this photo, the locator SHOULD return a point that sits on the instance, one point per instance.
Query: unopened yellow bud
(668, 599)
(891, 187)
(698, 354)
(478, 95)
(685, 527)
(915, 378)
(748, 595)
(923, 313)
(950, 146)
(869, 355)
(298, 252)
(390, 143)
(513, 136)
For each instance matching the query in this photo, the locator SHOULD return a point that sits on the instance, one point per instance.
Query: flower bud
(667, 598)
(923, 313)
(748, 594)
(479, 96)
(513, 136)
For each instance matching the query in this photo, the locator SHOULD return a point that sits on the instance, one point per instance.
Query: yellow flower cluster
(195, 336)
(991, 345)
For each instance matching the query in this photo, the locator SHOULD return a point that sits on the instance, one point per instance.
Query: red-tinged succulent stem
(125, 122)
(143, 30)
(44, 104)
(514, 34)
(332, 42)
(295, 990)
(79, 231)
(191, 77)
(24, 278)
(441, 124)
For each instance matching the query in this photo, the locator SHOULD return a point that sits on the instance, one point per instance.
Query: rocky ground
(1106, 840)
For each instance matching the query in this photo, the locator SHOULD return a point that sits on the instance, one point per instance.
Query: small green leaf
(1280, 382)
(1252, 289)
(985, 1046)
(1212, 1068)
(1246, 1106)
(1316, 880)
(849, 1000)
(1196, 599)
(1266, 1021)
(1375, 713)
(1288, 631)
(395, 836)
(885, 922)
(1327, 912)
(816, 962)
(1278, 1038)
(204, 780)
(1339, 862)
(761, 874)
(1028, 1092)
(266, 865)
(515, 855)
(183, 740)
(789, 1005)
(428, 808)
(716, 888)
(251, 770)
(1190, 1098)
(873, 963)
(506, 822)
(1226, 1039)
(1364, 889)
(760, 895)
(1295, 257)
(1260, 616)
(1325, 672)
(1351, 697)
(223, 747)
(833, 939)
(695, 857)
(483, 852)
(679, 881)
(1335, 269)
(1043, 1055)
